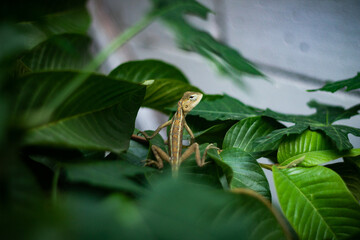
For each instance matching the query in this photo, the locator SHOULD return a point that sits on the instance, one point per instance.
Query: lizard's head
(190, 100)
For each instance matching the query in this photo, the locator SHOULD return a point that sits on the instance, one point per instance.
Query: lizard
(177, 124)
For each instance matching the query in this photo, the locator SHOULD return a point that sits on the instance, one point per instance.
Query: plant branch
(267, 166)
(139, 139)
(54, 188)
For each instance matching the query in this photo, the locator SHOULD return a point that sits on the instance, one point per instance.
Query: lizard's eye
(192, 97)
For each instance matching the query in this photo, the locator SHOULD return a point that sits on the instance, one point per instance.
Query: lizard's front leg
(195, 148)
(160, 155)
(156, 131)
(192, 137)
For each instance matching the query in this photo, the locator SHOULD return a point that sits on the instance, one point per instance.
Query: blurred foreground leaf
(209, 213)
(99, 115)
(107, 175)
(61, 52)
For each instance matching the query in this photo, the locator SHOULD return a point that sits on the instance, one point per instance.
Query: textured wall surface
(296, 43)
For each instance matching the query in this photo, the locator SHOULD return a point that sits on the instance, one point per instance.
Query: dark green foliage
(349, 84)
(70, 167)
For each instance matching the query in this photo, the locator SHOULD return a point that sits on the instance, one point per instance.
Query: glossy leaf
(61, 52)
(243, 134)
(317, 203)
(210, 213)
(216, 107)
(149, 69)
(165, 93)
(227, 60)
(169, 82)
(315, 147)
(278, 134)
(350, 173)
(244, 171)
(348, 84)
(321, 120)
(96, 116)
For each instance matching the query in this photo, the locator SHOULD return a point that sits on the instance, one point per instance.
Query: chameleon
(177, 124)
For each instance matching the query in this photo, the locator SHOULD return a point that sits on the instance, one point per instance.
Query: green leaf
(169, 82)
(180, 7)
(350, 173)
(61, 52)
(71, 21)
(74, 20)
(354, 160)
(315, 147)
(317, 203)
(66, 51)
(245, 171)
(239, 155)
(243, 134)
(210, 213)
(321, 120)
(339, 134)
(226, 59)
(136, 153)
(165, 93)
(106, 174)
(349, 84)
(276, 135)
(206, 175)
(96, 116)
(149, 69)
(204, 130)
(216, 107)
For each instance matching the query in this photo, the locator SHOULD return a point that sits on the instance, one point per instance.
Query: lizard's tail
(175, 170)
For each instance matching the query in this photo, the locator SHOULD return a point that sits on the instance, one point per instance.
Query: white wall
(298, 44)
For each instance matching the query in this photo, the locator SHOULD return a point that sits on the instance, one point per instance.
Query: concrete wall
(298, 44)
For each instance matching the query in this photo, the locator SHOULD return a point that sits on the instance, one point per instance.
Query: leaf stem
(139, 139)
(267, 166)
(100, 58)
(54, 189)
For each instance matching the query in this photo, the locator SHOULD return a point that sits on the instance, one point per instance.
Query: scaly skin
(178, 123)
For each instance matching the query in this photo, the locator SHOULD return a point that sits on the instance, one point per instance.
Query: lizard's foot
(141, 133)
(211, 146)
(204, 163)
(149, 162)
